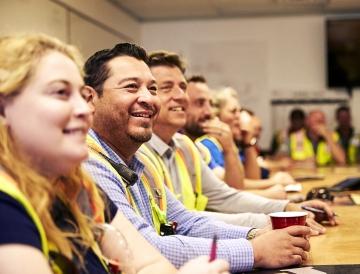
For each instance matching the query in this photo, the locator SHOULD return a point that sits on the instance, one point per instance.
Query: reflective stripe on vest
(150, 179)
(154, 186)
(352, 151)
(8, 186)
(301, 148)
(201, 199)
(192, 199)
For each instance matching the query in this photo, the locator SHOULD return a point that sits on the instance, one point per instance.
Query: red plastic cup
(287, 218)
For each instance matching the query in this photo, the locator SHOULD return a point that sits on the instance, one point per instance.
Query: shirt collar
(135, 165)
(162, 148)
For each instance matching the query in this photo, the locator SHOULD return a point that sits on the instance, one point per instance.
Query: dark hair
(297, 114)
(165, 58)
(96, 69)
(342, 108)
(197, 79)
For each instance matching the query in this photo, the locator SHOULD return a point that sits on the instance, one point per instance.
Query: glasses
(115, 249)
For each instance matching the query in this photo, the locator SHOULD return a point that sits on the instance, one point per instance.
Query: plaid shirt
(194, 232)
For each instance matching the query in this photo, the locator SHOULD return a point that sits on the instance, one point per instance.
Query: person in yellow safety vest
(347, 136)
(219, 142)
(126, 103)
(51, 213)
(44, 120)
(317, 143)
(175, 152)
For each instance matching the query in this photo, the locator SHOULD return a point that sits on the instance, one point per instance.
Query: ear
(90, 96)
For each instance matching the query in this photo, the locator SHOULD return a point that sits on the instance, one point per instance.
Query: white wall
(89, 24)
(262, 58)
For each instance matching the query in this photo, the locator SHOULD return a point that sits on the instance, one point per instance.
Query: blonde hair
(221, 96)
(19, 56)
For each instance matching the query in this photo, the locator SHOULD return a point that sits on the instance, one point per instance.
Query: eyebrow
(136, 79)
(66, 82)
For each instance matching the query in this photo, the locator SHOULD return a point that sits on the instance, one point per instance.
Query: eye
(166, 88)
(62, 93)
(183, 86)
(153, 89)
(132, 87)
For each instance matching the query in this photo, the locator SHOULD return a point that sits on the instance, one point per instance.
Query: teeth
(177, 108)
(142, 115)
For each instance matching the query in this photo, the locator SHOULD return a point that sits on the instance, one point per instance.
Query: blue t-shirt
(17, 227)
(217, 157)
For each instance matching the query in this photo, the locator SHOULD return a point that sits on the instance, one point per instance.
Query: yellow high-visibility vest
(8, 186)
(186, 157)
(151, 180)
(301, 149)
(352, 152)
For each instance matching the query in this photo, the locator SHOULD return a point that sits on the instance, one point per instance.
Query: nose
(207, 110)
(179, 93)
(147, 98)
(81, 107)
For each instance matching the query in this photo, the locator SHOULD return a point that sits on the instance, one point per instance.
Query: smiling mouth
(80, 131)
(142, 115)
(179, 108)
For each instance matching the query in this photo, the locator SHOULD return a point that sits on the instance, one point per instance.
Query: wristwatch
(252, 143)
(251, 234)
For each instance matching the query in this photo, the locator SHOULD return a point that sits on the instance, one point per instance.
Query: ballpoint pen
(213, 249)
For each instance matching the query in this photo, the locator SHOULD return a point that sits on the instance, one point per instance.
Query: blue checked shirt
(194, 232)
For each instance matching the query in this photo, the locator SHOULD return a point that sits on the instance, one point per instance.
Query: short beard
(140, 138)
(194, 130)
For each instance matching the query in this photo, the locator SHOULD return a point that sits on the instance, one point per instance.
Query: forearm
(258, 184)
(252, 169)
(336, 151)
(234, 170)
(146, 259)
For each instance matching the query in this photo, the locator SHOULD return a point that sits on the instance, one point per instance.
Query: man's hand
(281, 247)
(322, 130)
(310, 221)
(221, 131)
(323, 206)
(282, 178)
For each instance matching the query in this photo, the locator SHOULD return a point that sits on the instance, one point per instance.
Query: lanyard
(98, 152)
(153, 186)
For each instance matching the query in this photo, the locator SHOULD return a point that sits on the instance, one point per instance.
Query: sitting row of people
(142, 176)
(309, 139)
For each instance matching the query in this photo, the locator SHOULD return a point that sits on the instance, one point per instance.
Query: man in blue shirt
(124, 95)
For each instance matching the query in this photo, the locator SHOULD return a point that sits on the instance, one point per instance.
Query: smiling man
(185, 173)
(123, 92)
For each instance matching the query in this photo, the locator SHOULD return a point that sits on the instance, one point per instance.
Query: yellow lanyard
(97, 151)
(157, 189)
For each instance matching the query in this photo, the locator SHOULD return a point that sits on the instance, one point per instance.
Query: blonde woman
(44, 195)
(227, 108)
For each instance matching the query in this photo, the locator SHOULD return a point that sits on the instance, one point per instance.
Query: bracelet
(252, 143)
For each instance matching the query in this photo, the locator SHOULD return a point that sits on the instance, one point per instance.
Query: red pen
(213, 249)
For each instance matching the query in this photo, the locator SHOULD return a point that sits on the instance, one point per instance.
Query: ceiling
(157, 10)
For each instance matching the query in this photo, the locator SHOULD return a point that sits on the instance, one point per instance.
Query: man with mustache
(124, 95)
